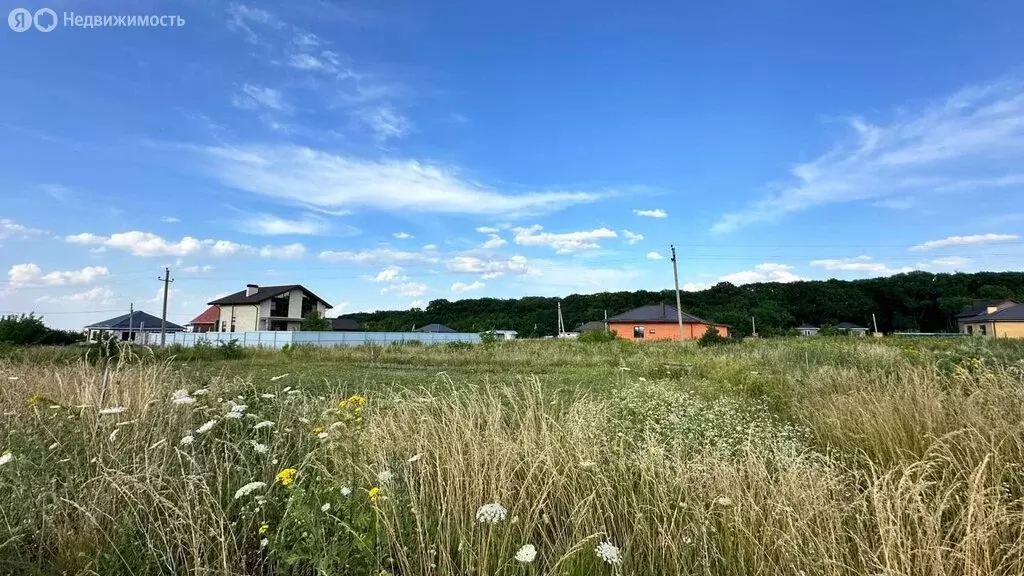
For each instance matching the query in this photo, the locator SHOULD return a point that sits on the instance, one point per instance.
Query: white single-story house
(134, 327)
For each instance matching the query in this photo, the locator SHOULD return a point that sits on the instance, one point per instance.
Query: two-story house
(267, 308)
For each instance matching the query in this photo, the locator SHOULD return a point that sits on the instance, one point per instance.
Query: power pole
(875, 322)
(163, 319)
(753, 327)
(131, 313)
(679, 304)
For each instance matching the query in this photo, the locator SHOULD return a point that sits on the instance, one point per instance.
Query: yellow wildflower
(354, 401)
(317, 429)
(263, 528)
(286, 476)
(374, 494)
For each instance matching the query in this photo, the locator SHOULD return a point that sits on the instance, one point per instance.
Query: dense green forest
(917, 301)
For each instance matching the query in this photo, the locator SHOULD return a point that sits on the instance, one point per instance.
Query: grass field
(791, 457)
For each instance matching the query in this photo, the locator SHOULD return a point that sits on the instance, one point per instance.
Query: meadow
(820, 456)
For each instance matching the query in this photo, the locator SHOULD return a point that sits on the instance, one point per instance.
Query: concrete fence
(279, 339)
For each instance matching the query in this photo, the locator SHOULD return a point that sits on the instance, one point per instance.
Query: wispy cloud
(655, 213)
(490, 268)
(463, 287)
(271, 225)
(862, 264)
(251, 97)
(170, 219)
(493, 241)
(486, 230)
(148, 244)
(11, 229)
(385, 122)
(654, 256)
(410, 289)
(377, 256)
(767, 272)
(971, 240)
(290, 251)
(390, 274)
(966, 143)
(96, 295)
(329, 181)
(561, 243)
(632, 237)
(402, 235)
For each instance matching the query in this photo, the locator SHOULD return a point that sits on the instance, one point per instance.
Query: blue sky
(386, 154)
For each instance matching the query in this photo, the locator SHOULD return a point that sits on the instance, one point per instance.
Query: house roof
(807, 327)
(434, 328)
(591, 326)
(1013, 313)
(656, 313)
(264, 293)
(849, 326)
(137, 320)
(344, 324)
(981, 307)
(209, 316)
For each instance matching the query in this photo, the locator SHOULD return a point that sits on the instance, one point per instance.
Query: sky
(385, 154)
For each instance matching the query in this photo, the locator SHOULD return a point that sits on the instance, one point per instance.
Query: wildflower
(53, 446)
(276, 378)
(234, 415)
(415, 458)
(6, 457)
(317, 429)
(355, 401)
(206, 427)
(608, 552)
(185, 441)
(263, 424)
(526, 554)
(325, 507)
(249, 489)
(264, 542)
(286, 477)
(201, 392)
(259, 448)
(268, 396)
(304, 420)
(322, 435)
(263, 529)
(112, 410)
(723, 501)
(491, 513)
(374, 494)
(113, 435)
(385, 476)
(238, 407)
(346, 491)
(291, 392)
(181, 397)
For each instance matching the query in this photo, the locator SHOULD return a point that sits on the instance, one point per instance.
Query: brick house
(660, 322)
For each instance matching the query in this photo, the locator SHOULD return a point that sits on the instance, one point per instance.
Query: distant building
(133, 327)
(592, 326)
(344, 325)
(267, 308)
(852, 329)
(435, 328)
(205, 322)
(807, 330)
(995, 318)
(660, 322)
(505, 334)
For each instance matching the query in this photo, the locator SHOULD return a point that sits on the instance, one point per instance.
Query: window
(651, 331)
(638, 331)
(124, 336)
(279, 306)
(224, 326)
(970, 329)
(983, 330)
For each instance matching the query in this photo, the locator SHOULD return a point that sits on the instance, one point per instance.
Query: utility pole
(679, 304)
(163, 319)
(753, 327)
(131, 313)
(875, 322)
(561, 325)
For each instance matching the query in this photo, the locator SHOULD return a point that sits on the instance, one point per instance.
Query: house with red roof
(207, 321)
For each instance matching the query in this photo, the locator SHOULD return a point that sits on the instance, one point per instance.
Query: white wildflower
(304, 420)
(322, 435)
(268, 396)
(234, 415)
(415, 458)
(526, 554)
(158, 444)
(263, 424)
(186, 440)
(182, 397)
(54, 446)
(238, 407)
(201, 392)
(274, 461)
(113, 435)
(276, 378)
(249, 489)
(264, 542)
(290, 392)
(608, 552)
(723, 501)
(206, 427)
(259, 448)
(491, 513)
(384, 476)
(325, 507)
(346, 491)
(112, 410)
(6, 457)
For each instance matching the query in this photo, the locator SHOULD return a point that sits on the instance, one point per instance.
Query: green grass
(832, 456)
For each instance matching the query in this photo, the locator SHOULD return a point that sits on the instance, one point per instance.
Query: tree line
(915, 301)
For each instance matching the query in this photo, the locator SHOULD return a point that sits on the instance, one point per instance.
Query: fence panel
(279, 339)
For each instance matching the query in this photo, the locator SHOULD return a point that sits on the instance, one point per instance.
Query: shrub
(231, 349)
(712, 338)
(598, 336)
(314, 322)
(486, 338)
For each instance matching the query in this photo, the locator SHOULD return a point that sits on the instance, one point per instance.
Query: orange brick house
(659, 322)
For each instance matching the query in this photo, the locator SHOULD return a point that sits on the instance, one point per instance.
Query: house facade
(660, 322)
(136, 327)
(852, 329)
(993, 318)
(205, 322)
(807, 330)
(278, 308)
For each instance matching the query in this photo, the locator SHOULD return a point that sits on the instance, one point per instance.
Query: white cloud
(402, 235)
(170, 219)
(473, 265)
(565, 243)
(197, 269)
(416, 304)
(486, 230)
(270, 225)
(11, 229)
(965, 143)
(32, 274)
(256, 97)
(463, 287)
(862, 264)
(694, 286)
(304, 61)
(330, 181)
(655, 213)
(493, 241)
(410, 289)
(492, 275)
(972, 240)
(385, 122)
(390, 274)
(632, 237)
(288, 251)
(95, 295)
(767, 272)
(225, 248)
(430, 247)
(654, 256)
(338, 310)
(944, 262)
(376, 256)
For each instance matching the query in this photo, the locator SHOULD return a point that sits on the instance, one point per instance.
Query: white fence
(279, 339)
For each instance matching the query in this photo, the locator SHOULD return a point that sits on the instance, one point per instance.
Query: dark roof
(1014, 313)
(981, 307)
(592, 326)
(434, 328)
(138, 321)
(263, 293)
(807, 327)
(656, 313)
(210, 316)
(344, 324)
(849, 326)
